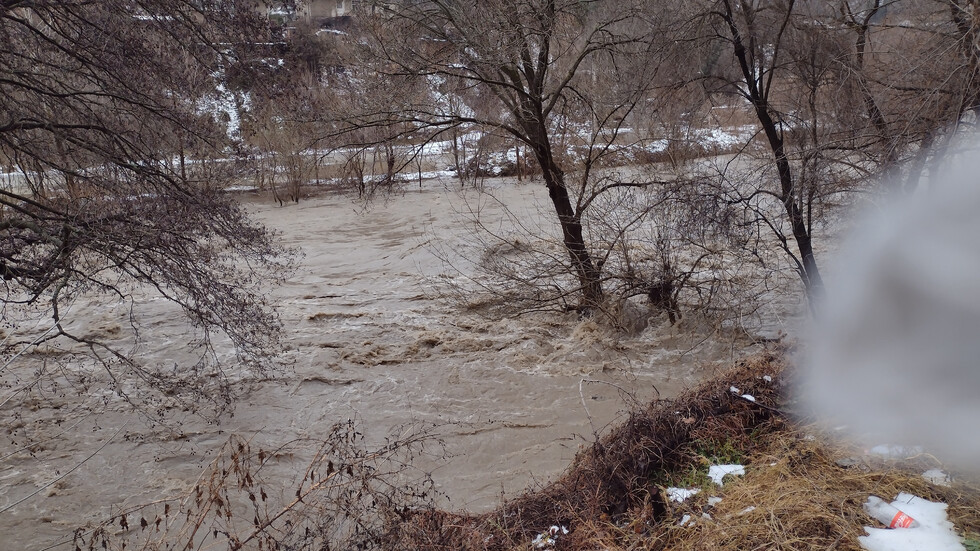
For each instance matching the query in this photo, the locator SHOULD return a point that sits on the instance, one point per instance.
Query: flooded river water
(367, 339)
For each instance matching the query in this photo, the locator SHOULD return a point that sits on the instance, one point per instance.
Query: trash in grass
(549, 538)
(685, 519)
(717, 472)
(888, 514)
(680, 494)
(712, 501)
(934, 533)
(735, 390)
(848, 462)
(749, 397)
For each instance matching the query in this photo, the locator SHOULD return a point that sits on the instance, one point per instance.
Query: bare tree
(100, 98)
(841, 96)
(539, 71)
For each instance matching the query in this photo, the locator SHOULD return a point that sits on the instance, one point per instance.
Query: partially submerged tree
(535, 70)
(100, 199)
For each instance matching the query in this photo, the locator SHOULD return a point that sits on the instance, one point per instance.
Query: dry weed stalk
(350, 496)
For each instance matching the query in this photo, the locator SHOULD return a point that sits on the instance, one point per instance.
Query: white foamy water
(366, 339)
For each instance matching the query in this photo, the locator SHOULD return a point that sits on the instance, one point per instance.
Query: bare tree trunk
(758, 96)
(517, 162)
(456, 159)
(571, 228)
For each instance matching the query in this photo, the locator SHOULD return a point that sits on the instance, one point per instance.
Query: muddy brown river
(367, 339)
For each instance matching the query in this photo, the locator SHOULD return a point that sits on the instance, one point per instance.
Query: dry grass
(804, 499)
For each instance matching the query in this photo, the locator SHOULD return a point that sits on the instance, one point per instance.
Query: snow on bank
(936, 532)
(937, 477)
(717, 473)
(679, 495)
(224, 105)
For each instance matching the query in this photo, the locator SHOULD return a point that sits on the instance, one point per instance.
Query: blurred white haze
(895, 354)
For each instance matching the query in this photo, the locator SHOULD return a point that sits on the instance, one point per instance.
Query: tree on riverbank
(114, 169)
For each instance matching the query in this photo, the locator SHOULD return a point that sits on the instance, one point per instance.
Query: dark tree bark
(757, 89)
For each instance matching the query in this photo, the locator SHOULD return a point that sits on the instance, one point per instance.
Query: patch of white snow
(717, 472)
(681, 494)
(896, 452)
(937, 477)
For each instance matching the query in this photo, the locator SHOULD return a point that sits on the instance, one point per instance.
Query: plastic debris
(549, 538)
(936, 532)
(848, 462)
(888, 514)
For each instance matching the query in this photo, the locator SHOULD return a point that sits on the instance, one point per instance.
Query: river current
(367, 338)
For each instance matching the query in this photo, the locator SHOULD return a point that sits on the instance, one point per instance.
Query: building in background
(314, 12)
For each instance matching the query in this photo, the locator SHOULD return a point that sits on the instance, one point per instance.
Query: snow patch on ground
(718, 472)
(937, 477)
(224, 103)
(681, 494)
(896, 452)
